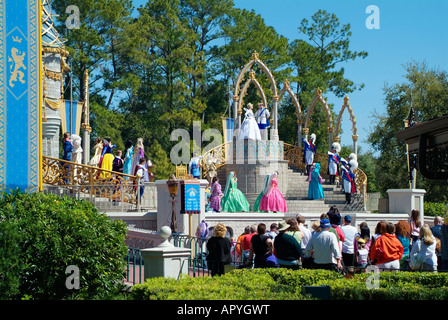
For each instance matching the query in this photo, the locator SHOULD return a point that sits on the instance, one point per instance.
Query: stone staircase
(296, 195)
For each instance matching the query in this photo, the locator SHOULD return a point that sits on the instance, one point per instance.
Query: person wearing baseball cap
(324, 248)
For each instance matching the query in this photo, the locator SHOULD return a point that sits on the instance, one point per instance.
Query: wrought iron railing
(198, 258)
(94, 181)
(134, 266)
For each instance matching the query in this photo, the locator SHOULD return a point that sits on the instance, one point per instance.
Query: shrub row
(41, 235)
(284, 284)
(433, 209)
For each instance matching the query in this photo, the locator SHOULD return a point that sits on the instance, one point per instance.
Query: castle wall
(51, 125)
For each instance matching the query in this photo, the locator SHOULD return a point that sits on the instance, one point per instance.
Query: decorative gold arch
(295, 101)
(347, 106)
(251, 79)
(318, 98)
(238, 93)
(246, 68)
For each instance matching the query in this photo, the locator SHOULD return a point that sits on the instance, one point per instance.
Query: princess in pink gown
(273, 199)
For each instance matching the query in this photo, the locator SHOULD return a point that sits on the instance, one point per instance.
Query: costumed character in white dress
(262, 117)
(76, 153)
(95, 161)
(309, 151)
(77, 149)
(333, 162)
(249, 127)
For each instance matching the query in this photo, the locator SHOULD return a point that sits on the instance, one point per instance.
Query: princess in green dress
(233, 200)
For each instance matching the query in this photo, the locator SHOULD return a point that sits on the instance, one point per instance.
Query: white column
(406, 200)
(165, 260)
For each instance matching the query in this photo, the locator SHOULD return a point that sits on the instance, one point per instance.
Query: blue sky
(409, 30)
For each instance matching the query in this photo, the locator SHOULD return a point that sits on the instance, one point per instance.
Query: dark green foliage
(434, 209)
(428, 88)
(284, 284)
(41, 235)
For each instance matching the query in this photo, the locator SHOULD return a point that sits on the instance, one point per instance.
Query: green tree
(95, 45)
(428, 87)
(315, 64)
(247, 32)
(162, 166)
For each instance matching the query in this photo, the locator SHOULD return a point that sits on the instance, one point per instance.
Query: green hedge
(41, 235)
(433, 209)
(284, 284)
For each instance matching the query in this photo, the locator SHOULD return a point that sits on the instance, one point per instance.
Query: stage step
(296, 195)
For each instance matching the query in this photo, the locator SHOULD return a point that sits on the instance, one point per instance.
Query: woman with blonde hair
(95, 161)
(425, 246)
(218, 247)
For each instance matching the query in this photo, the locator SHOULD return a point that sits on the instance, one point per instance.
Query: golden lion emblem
(16, 65)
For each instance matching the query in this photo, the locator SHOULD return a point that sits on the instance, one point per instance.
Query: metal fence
(197, 262)
(134, 266)
(106, 197)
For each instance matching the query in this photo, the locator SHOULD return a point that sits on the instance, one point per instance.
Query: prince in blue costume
(333, 161)
(262, 116)
(309, 151)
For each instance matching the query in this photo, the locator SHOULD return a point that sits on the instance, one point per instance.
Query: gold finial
(286, 83)
(255, 55)
(252, 74)
(318, 92)
(346, 99)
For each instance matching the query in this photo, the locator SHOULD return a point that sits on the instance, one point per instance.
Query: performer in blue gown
(315, 190)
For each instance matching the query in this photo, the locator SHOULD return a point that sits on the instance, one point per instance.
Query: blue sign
(20, 99)
(192, 199)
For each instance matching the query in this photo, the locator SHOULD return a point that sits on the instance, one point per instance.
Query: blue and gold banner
(227, 129)
(71, 110)
(20, 98)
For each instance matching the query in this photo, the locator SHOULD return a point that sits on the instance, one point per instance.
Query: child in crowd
(362, 253)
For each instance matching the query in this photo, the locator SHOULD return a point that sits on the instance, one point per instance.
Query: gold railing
(83, 177)
(217, 156)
